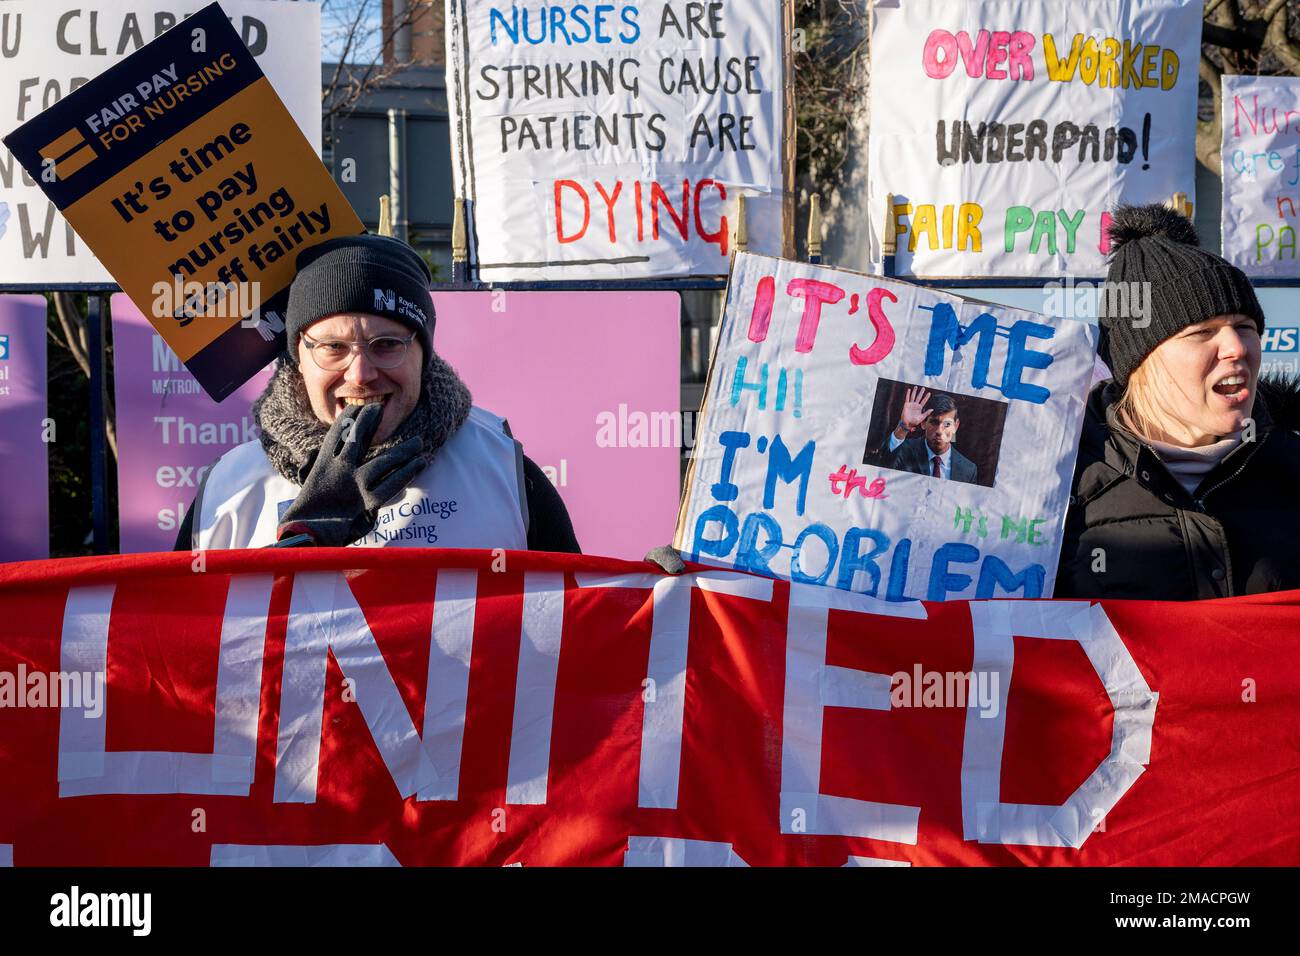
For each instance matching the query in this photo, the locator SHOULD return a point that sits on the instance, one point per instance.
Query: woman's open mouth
(1235, 389)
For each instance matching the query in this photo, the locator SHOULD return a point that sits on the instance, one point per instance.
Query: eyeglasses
(335, 355)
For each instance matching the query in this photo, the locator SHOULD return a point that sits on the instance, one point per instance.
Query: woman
(1187, 484)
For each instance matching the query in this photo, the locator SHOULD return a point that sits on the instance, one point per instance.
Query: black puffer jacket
(1132, 531)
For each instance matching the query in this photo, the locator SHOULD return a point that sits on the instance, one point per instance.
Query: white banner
(612, 140)
(1006, 130)
(885, 438)
(1261, 173)
(48, 48)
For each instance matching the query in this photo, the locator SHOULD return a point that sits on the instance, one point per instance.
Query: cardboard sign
(183, 171)
(51, 47)
(24, 429)
(612, 141)
(1261, 173)
(1005, 131)
(168, 431)
(579, 365)
(803, 471)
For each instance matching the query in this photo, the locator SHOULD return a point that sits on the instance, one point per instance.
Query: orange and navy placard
(185, 174)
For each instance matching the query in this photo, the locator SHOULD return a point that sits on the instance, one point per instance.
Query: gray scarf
(292, 434)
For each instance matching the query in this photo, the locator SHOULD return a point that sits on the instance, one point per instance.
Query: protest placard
(25, 431)
(1261, 173)
(168, 431)
(567, 383)
(831, 393)
(185, 174)
(1005, 131)
(48, 48)
(612, 140)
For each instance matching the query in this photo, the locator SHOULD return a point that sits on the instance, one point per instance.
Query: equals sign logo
(69, 153)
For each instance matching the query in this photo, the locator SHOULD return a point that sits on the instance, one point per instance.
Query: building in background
(391, 139)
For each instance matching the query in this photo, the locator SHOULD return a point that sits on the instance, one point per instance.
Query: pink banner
(591, 385)
(24, 431)
(168, 431)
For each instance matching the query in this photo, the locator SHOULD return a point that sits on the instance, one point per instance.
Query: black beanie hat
(378, 275)
(1155, 245)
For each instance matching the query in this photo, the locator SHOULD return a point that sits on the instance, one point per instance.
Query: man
(932, 453)
(367, 435)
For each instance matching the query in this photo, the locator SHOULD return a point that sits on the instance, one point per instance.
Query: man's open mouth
(342, 403)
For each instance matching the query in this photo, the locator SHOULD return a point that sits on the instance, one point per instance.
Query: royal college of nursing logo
(387, 301)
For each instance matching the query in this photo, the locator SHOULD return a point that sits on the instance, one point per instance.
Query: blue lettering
(943, 583)
(898, 572)
(946, 332)
(716, 547)
(581, 20)
(851, 562)
(780, 465)
(557, 25)
(750, 558)
(827, 537)
(994, 572)
(1020, 357)
(738, 383)
(601, 10)
(631, 22)
(725, 489)
(511, 28)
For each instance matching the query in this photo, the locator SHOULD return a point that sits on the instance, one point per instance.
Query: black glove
(340, 497)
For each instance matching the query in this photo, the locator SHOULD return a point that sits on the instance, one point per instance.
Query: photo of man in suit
(931, 453)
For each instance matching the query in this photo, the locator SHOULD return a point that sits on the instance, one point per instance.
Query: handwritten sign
(183, 171)
(612, 140)
(49, 48)
(1261, 173)
(884, 438)
(1005, 131)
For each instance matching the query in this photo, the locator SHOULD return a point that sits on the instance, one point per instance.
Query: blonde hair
(1138, 407)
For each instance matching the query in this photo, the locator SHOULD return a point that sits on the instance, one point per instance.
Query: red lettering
(609, 204)
(814, 292)
(761, 318)
(657, 196)
(559, 213)
(884, 342)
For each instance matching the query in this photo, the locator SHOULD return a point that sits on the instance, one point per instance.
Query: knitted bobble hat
(1159, 282)
(376, 275)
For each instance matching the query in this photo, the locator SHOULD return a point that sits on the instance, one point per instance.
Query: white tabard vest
(470, 496)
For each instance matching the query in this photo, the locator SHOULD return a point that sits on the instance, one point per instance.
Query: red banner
(460, 707)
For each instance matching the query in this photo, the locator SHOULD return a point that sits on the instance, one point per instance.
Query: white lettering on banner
(85, 767)
(670, 851)
(447, 691)
(812, 685)
(539, 660)
(873, 861)
(324, 618)
(662, 723)
(984, 816)
(326, 854)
